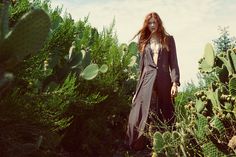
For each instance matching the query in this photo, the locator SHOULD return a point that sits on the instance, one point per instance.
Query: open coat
(164, 73)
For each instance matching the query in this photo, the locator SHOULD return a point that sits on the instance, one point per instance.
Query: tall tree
(225, 41)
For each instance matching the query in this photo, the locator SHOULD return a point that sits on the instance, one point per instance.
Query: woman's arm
(174, 67)
(141, 65)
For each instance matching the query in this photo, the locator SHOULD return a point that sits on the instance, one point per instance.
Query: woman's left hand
(174, 90)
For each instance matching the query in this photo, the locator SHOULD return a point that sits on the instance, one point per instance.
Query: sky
(193, 23)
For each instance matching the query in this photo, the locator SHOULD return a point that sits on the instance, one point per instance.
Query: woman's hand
(174, 90)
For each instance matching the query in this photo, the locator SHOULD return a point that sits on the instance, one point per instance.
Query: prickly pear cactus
(166, 142)
(202, 127)
(213, 96)
(91, 71)
(79, 62)
(232, 86)
(158, 142)
(132, 48)
(207, 62)
(233, 59)
(200, 105)
(3, 19)
(216, 123)
(222, 74)
(215, 118)
(26, 37)
(167, 136)
(226, 59)
(210, 150)
(212, 117)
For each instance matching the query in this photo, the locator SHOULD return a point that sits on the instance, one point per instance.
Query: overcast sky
(193, 23)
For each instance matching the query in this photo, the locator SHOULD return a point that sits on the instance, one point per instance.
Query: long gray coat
(165, 73)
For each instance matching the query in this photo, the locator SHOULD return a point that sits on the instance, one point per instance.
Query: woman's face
(152, 25)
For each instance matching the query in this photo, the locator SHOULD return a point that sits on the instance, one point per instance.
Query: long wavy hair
(145, 34)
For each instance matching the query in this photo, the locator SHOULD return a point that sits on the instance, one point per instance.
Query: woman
(158, 81)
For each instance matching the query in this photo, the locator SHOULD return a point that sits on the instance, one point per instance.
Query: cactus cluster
(130, 57)
(24, 39)
(81, 59)
(161, 142)
(216, 106)
(224, 63)
(212, 116)
(77, 61)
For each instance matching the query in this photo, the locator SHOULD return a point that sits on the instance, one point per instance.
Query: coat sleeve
(175, 75)
(141, 66)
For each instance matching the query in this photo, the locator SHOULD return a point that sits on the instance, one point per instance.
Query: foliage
(209, 124)
(50, 100)
(13, 49)
(99, 120)
(224, 42)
